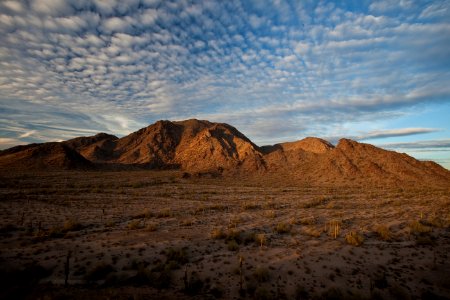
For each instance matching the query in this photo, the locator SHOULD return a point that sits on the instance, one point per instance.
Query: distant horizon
(372, 71)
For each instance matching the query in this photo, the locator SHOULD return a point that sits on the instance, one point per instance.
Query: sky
(374, 71)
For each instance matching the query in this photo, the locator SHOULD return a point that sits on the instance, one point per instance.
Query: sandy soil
(140, 235)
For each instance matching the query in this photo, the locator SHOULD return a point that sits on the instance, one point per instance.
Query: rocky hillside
(196, 146)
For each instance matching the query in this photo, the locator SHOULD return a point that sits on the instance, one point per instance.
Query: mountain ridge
(200, 146)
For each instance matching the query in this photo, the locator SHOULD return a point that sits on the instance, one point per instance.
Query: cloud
(389, 5)
(51, 7)
(10, 142)
(27, 134)
(427, 145)
(276, 70)
(13, 6)
(395, 133)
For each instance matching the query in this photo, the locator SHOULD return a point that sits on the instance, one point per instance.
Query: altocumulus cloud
(276, 70)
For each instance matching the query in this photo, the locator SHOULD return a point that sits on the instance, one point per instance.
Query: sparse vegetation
(147, 239)
(354, 238)
(261, 239)
(71, 225)
(383, 232)
(218, 234)
(135, 224)
(418, 227)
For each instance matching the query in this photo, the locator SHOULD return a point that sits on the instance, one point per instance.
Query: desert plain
(173, 235)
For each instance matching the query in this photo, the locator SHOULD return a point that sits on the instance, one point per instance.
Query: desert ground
(167, 235)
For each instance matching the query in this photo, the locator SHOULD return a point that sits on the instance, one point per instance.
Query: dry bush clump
(354, 238)
(418, 227)
(383, 232)
(261, 239)
(135, 224)
(71, 225)
(218, 234)
(334, 228)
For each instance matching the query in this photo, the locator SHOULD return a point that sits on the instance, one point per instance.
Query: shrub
(283, 228)
(71, 225)
(418, 227)
(383, 232)
(334, 228)
(134, 224)
(260, 239)
(218, 234)
(354, 238)
(235, 235)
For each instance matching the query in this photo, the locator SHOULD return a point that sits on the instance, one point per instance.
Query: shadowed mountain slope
(47, 156)
(197, 146)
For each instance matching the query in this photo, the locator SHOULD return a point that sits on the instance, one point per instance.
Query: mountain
(95, 148)
(190, 145)
(47, 156)
(317, 161)
(197, 146)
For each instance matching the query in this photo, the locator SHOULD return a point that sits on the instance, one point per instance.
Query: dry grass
(383, 232)
(354, 238)
(418, 227)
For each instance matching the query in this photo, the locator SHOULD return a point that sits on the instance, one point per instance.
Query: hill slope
(316, 161)
(201, 146)
(45, 156)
